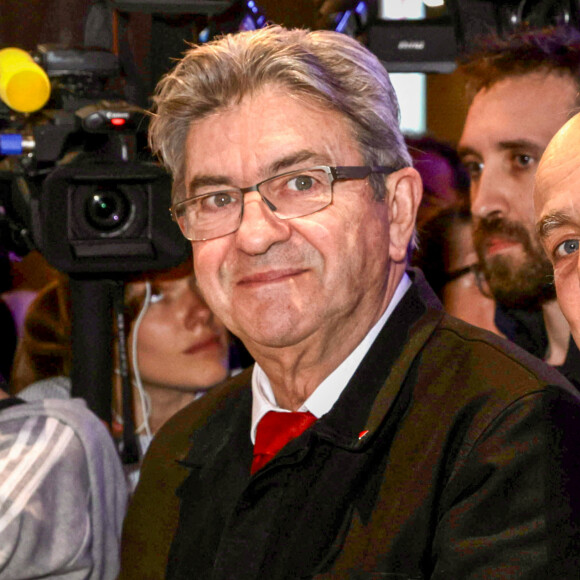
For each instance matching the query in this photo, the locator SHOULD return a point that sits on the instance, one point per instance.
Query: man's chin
(523, 288)
(514, 299)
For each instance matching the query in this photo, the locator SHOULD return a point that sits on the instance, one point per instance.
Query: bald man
(557, 213)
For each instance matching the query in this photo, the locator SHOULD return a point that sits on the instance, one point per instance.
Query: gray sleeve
(45, 516)
(52, 388)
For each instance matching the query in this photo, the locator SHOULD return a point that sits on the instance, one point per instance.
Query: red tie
(274, 431)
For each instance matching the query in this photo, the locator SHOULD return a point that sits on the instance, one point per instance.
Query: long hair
(45, 349)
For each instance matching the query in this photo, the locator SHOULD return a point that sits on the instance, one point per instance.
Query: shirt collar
(327, 393)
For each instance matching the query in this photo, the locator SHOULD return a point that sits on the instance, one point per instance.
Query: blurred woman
(177, 350)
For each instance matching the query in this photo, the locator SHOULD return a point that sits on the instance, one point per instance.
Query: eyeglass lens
(290, 195)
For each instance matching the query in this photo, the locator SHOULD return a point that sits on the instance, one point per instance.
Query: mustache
(490, 226)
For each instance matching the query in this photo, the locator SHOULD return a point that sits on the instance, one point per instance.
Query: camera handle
(95, 301)
(92, 343)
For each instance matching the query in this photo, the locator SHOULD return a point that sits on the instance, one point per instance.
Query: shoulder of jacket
(487, 354)
(173, 439)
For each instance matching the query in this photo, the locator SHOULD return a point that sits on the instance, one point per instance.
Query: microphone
(24, 86)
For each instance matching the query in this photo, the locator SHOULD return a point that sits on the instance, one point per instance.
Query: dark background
(32, 22)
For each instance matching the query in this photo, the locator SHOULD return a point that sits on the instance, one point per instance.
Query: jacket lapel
(380, 379)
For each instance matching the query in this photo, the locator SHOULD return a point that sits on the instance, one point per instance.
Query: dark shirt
(528, 330)
(8, 334)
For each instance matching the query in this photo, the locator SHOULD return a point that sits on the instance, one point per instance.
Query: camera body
(107, 219)
(84, 189)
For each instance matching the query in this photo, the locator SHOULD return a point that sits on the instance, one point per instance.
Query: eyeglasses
(288, 195)
(456, 274)
(477, 272)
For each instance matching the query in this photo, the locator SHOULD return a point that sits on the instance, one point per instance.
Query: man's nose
(489, 194)
(260, 228)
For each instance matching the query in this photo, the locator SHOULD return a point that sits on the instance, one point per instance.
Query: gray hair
(330, 70)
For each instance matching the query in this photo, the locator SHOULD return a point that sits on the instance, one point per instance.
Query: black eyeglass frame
(477, 271)
(334, 173)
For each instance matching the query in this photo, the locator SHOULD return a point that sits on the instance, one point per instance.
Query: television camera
(78, 184)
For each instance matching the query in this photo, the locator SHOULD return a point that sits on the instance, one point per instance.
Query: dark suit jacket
(451, 454)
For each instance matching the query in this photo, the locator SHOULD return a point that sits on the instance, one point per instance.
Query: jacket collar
(224, 431)
(380, 379)
(369, 398)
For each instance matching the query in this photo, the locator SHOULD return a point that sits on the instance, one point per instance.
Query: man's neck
(558, 332)
(296, 371)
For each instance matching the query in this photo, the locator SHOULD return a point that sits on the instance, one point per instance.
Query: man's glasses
(477, 272)
(288, 195)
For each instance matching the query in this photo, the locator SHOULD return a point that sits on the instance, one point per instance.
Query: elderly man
(557, 208)
(375, 436)
(525, 87)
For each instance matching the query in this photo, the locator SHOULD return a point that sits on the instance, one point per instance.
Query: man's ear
(404, 192)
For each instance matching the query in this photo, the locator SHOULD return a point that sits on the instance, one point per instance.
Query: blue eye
(566, 248)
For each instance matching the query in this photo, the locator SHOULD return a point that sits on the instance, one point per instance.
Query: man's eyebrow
(465, 151)
(551, 222)
(521, 144)
(279, 165)
(208, 180)
(510, 145)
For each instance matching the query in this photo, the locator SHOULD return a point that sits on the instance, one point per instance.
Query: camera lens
(107, 210)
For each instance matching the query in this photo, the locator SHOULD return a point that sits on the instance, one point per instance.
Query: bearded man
(525, 88)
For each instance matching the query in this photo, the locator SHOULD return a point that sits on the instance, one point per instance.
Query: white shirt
(327, 393)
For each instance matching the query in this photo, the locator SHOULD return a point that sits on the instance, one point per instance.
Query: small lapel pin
(363, 434)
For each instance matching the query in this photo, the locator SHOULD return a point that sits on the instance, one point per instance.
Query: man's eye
(301, 183)
(474, 168)
(216, 201)
(222, 199)
(566, 248)
(523, 160)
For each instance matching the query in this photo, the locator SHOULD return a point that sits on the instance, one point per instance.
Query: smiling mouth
(270, 277)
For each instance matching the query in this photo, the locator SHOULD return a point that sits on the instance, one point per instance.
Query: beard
(526, 283)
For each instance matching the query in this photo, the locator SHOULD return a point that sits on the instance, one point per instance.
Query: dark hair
(548, 50)
(45, 349)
